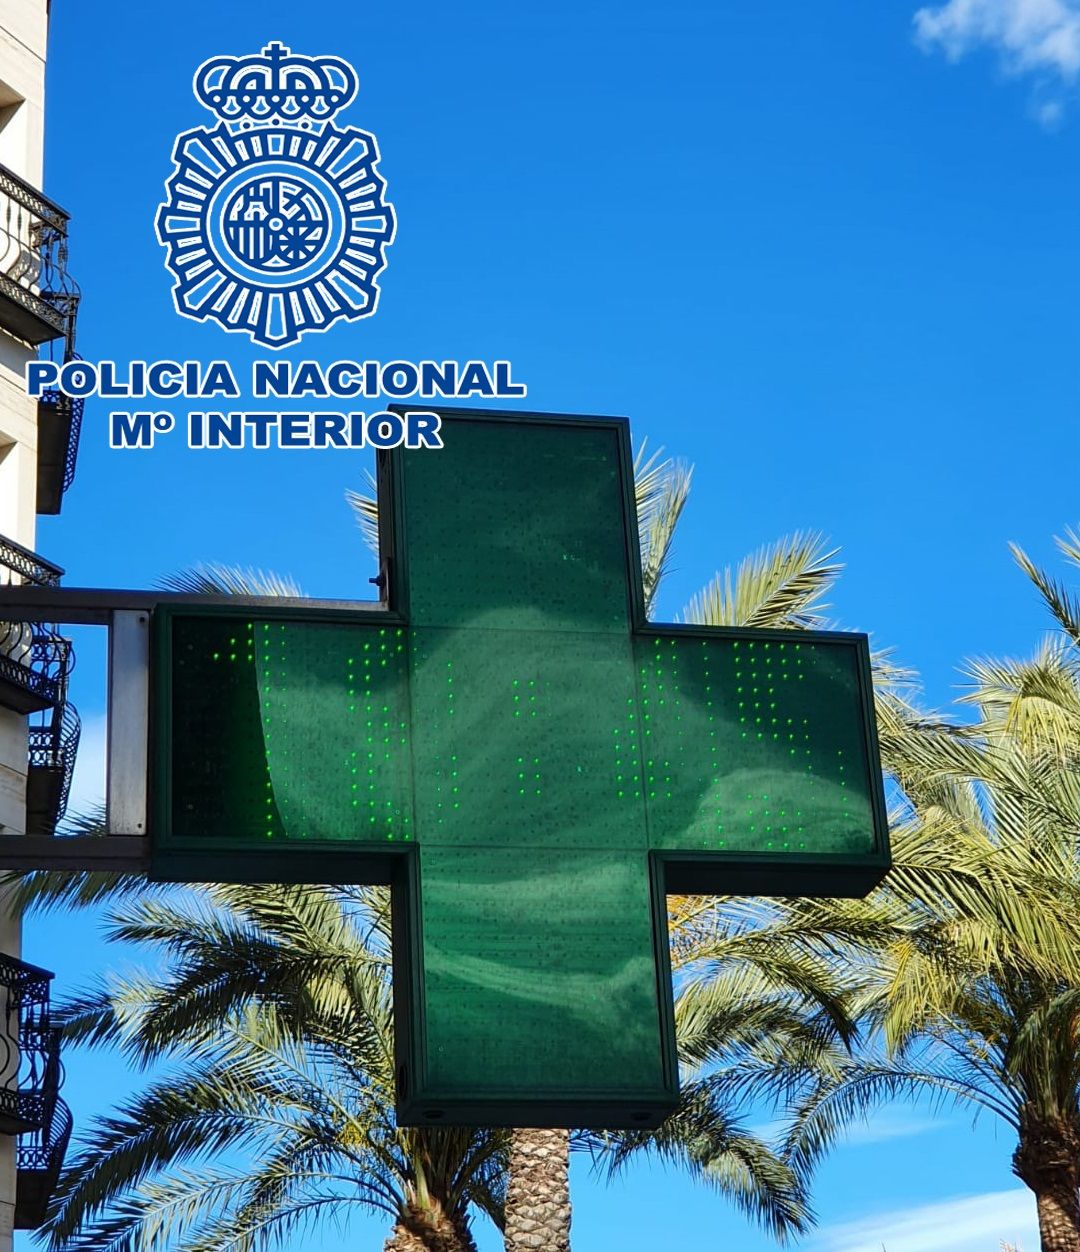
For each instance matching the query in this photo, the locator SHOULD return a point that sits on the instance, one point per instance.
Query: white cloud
(1050, 114)
(88, 784)
(889, 1125)
(1029, 35)
(882, 1126)
(962, 1224)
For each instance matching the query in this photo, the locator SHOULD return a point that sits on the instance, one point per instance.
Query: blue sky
(827, 253)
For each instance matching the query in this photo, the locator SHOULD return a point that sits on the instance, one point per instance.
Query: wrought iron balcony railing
(23, 566)
(38, 298)
(59, 424)
(39, 1157)
(30, 1079)
(34, 660)
(54, 741)
(29, 1049)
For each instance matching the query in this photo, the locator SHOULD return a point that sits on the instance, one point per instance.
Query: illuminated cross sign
(529, 762)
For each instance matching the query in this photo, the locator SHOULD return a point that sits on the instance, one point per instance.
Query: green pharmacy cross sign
(529, 762)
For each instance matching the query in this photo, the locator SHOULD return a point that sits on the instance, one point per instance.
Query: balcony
(39, 1157)
(54, 741)
(34, 660)
(38, 298)
(30, 1077)
(59, 423)
(29, 1049)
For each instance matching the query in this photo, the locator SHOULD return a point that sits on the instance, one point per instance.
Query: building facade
(38, 725)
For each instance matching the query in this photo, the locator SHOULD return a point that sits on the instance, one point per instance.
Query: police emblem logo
(276, 221)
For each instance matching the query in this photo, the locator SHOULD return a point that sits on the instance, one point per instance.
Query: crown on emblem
(275, 86)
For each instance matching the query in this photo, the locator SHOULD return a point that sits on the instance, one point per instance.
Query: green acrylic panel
(530, 738)
(288, 730)
(521, 549)
(755, 745)
(526, 761)
(540, 977)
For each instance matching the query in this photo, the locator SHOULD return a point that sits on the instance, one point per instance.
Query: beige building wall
(23, 30)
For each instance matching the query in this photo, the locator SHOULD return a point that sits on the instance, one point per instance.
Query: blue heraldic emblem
(276, 221)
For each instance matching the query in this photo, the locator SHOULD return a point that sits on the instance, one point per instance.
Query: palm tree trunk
(1059, 1225)
(429, 1229)
(402, 1239)
(538, 1194)
(1048, 1161)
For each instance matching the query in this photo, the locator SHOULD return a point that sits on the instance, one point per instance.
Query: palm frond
(783, 585)
(703, 1137)
(1036, 700)
(41, 890)
(1064, 606)
(661, 489)
(229, 580)
(365, 508)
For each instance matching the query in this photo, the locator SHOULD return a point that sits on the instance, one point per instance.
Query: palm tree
(973, 994)
(277, 1002)
(279, 999)
(762, 1002)
(778, 586)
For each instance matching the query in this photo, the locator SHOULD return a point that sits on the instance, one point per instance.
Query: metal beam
(94, 606)
(129, 723)
(122, 854)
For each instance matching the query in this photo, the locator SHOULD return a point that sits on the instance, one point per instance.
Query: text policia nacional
(223, 428)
